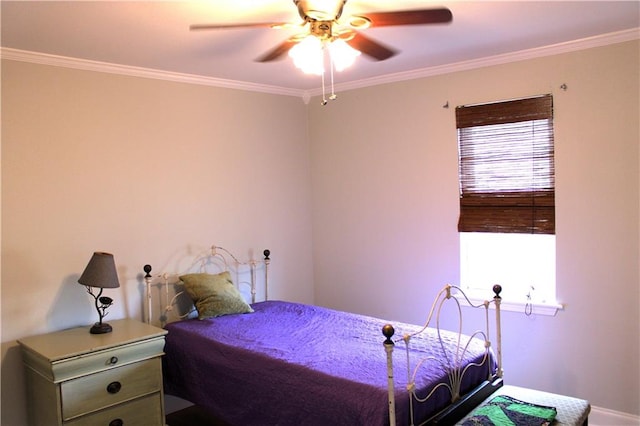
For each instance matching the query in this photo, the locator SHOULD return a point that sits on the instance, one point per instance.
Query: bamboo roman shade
(506, 166)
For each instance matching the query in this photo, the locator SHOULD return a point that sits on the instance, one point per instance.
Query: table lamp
(100, 273)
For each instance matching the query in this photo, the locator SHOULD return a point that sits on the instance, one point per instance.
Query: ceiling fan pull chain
(324, 98)
(333, 95)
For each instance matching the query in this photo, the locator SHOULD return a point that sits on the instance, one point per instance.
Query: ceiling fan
(325, 21)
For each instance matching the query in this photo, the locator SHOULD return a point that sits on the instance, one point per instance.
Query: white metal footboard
(218, 255)
(455, 372)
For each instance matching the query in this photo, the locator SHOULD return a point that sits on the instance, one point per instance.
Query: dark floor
(193, 416)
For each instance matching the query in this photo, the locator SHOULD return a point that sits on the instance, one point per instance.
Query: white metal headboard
(215, 255)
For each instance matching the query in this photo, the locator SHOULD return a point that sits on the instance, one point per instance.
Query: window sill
(546, 309)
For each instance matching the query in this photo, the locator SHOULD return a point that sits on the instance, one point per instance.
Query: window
(507, 199)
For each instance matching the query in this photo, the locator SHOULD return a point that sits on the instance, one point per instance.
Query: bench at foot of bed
(570, 411)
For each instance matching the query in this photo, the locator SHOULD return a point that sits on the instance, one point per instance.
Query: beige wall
(385, 208)
(148, 170)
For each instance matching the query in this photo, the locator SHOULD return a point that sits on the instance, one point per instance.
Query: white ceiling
(155, 35)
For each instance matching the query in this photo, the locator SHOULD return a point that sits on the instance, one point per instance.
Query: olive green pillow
(214, 295)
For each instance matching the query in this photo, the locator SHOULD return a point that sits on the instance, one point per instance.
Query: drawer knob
(114, 387)
(116, 422)
(113, 360)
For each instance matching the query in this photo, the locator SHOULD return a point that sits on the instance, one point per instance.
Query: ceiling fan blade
(278, 52)
(371, 47)
(232, 26)
(410, 17)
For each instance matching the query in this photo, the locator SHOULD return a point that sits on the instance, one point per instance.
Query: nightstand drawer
(102, 360)
(110, 387)
(145, 411)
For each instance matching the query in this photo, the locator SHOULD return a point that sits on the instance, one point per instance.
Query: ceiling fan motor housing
(319, 10)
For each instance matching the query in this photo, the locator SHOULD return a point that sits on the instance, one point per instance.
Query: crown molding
(555, 49)
(87, 65)
(305, 95)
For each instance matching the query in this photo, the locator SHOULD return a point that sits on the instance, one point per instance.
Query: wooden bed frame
(221, 259)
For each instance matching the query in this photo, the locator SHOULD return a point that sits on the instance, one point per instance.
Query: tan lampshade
(100, 272)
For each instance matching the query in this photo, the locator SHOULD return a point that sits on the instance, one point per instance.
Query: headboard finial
(147, 269)
(266, 253)
(497, 289)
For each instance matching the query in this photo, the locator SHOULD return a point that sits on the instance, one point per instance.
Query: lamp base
(100, 328)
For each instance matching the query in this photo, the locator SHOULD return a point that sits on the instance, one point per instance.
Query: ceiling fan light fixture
(308, 55)
(342, 55)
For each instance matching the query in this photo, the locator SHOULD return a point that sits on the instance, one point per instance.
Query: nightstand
(75, 378)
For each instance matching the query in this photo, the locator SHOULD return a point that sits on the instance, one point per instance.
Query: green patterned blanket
(507, 411)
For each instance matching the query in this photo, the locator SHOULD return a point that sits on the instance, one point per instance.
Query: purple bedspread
(295, 364)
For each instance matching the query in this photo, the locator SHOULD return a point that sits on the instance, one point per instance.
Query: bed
(273, 362)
